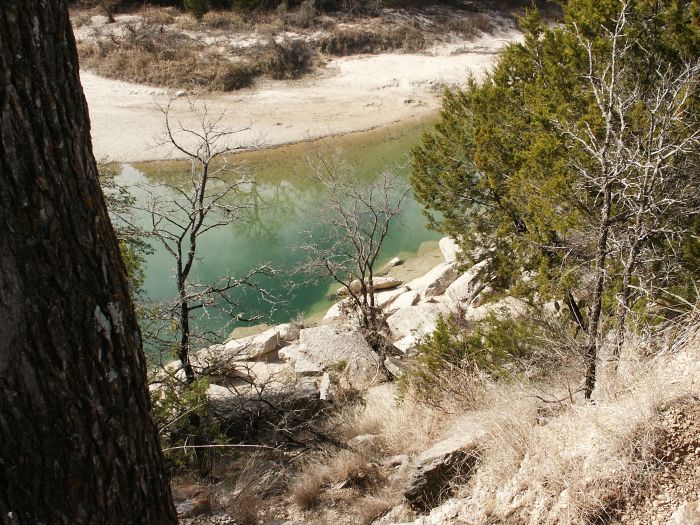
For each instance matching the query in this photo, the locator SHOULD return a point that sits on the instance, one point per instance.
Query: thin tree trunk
(77, 439)
(185, 344)
(591, 350)
(575, 311)
(624, 295)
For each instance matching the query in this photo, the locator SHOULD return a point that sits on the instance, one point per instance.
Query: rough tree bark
(77, 440)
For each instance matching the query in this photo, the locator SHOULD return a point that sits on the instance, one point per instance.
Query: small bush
(288, 60)
(307, 489)
(198, 8)
(454, 355)
(237, 75)
(184, 419)
(354, 41)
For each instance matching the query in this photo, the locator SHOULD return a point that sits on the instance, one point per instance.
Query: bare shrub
(304, 16)
(351, 41)
(287, 60)
(236, 75)
(469, 26)
(373, 507)
(159, 16)
(245, 507)
(222, 20)
(307, 489)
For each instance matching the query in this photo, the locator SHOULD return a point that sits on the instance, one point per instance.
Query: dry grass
(167, 47)
(586, 459)
(244, 508)
(353, 41)
(406, 427)
(306, 491)
(343, 470)
(371, 508)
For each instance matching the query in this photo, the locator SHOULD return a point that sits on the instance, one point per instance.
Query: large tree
(77, 439)
(572, 170)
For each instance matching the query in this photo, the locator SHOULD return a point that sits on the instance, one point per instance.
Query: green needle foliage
(572, 170)
(454, 354)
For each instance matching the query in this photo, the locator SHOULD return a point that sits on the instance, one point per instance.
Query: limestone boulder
(436, 467)
(416, 320)
(339, 349)
(466, 287)
(406, 299)
(344, 310)
(449, 248)
(408, 345)
(325, 388)
(289, 353)
(687, 513)
(288, 332)
(380, 283)
(505, 308)
(245, 349)
(436, 281)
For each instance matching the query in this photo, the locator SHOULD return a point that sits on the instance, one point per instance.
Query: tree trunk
(625, 289)
(77, 439)
(591, 351)
(184, 351)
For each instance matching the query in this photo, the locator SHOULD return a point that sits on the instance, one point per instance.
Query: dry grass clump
(405, 427)
(343, 470)
(307, 489)
(219, 20)
(286, 60)
(352, 41)
(245, 507)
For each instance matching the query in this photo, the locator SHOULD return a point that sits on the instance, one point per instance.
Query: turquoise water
(288, 205)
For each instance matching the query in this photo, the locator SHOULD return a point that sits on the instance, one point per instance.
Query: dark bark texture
(77, 440)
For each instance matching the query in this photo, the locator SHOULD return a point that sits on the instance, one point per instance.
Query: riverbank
(349, 94)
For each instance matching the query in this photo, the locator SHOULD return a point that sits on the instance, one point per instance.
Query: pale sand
(347, 95)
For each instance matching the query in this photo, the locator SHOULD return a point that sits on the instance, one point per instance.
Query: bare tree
(660, 189)
(633, 164)
(355, 222)
(213, 196)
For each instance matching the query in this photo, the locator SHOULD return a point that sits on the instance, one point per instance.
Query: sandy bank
(348, 94)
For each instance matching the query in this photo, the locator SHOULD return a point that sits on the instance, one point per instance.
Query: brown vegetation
(226, 50)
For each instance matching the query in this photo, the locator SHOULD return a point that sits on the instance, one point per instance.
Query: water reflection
(284, 204)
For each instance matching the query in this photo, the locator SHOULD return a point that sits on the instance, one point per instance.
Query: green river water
(290, 202)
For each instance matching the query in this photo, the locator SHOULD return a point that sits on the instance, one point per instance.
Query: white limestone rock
(465, 288)
(380, 283)
(408, 344)
(449, 248)
(340, 349)
(416, 320)
(289, 353)
(436, 281)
